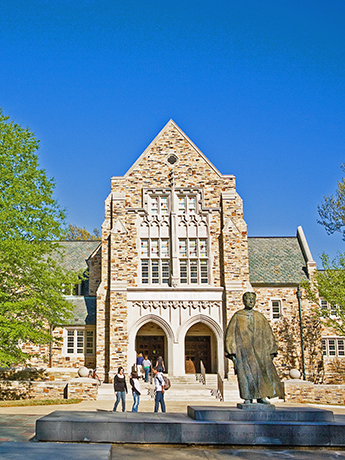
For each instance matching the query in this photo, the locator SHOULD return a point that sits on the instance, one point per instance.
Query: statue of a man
(250, 344)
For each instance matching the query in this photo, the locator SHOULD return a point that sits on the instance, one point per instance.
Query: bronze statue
(250, 344)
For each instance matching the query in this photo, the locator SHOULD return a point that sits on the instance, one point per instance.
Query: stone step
(178, 392)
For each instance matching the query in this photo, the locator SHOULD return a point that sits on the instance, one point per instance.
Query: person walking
(146, 366)
(136, 391)
(160, 364)
(120, 388)
(139, 363)
(159, 388)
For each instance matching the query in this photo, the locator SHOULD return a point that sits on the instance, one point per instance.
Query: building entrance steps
(184, 388)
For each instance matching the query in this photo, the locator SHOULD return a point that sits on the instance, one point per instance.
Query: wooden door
(152, 346)
(197, 349)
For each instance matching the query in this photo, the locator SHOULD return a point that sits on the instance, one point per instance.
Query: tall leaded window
(193, 256)
(155, 261)
(174, 238)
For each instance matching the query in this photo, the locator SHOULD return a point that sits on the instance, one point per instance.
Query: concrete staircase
(184, 388)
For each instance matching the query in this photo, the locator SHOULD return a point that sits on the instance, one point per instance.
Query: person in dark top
(160, 364)
(120, 388)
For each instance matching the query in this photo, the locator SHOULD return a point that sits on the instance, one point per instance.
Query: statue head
(249, 299)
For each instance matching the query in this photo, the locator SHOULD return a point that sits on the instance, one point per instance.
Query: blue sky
(258, 86)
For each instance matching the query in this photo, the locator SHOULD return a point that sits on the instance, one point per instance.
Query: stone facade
(171, 269)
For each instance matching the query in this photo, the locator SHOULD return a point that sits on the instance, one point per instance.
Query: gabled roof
(276, 260)
(84, 313)
(76, 253)
(170, 124)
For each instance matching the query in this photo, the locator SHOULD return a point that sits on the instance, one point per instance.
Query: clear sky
(257, 85)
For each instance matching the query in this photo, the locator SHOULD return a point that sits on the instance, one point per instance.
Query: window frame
(338, 344)
(86, 331)
(272, 313)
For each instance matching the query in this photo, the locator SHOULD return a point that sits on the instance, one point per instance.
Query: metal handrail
(220, 387)
(203, 372)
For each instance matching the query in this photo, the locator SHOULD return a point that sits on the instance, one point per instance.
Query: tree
(76, 233)
(329, 285)
(31, 223)
(332, 210)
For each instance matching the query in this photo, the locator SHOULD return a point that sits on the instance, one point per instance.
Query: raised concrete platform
(314, 428)
(36, 451)
(232, 414)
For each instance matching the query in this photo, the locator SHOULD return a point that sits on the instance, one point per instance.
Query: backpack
(167, 383)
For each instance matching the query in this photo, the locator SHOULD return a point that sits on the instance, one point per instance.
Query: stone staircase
(184, 388)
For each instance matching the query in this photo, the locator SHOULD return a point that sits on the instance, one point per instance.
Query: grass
(38, 402)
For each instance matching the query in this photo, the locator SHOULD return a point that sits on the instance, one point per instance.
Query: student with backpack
(136, 391)
(159, 388)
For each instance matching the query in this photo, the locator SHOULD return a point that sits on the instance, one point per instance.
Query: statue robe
(249, 338)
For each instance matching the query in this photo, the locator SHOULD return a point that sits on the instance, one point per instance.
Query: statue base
(256, 406)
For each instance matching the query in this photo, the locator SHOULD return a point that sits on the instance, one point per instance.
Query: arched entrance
(151, 341)
(200, 345)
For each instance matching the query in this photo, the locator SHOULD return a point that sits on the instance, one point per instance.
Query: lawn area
(38, 402)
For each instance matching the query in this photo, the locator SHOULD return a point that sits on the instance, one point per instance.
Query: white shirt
(159, 381)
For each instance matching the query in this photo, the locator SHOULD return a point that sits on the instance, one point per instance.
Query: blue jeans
(120, 395)
(136, 399)
(147, 370)
(159, 399)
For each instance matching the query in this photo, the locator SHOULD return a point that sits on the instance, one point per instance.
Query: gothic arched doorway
(200, 345)
(151, 341)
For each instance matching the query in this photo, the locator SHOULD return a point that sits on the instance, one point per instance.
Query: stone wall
(300, 391)
(86, 389)
(287, 332)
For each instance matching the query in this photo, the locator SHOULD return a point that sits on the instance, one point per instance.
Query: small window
(164, 206)
(203, 272)
(155, 271)
(154, 206)
(191, 205)
(165, 271)
(144, 248)
(193, 271)
(183, 248)
(165, 248)
(192, 248)
(154, 248)
(145, 271)
(275, 309)
(331, 347)
(90, 342)
(203, 248)
(183, 271)
(182, 205)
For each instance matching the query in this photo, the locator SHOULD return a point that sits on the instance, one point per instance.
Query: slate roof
(76, 254)
(84, 313)
(276, 260)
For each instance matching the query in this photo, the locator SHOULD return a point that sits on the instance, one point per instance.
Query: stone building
(172, 266)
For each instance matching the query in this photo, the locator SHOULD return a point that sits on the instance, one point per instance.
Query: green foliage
(332, 210)
(76, 233)
(31, 222)
(329, 284)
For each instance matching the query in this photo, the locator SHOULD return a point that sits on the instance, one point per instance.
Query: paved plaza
(17, 424)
